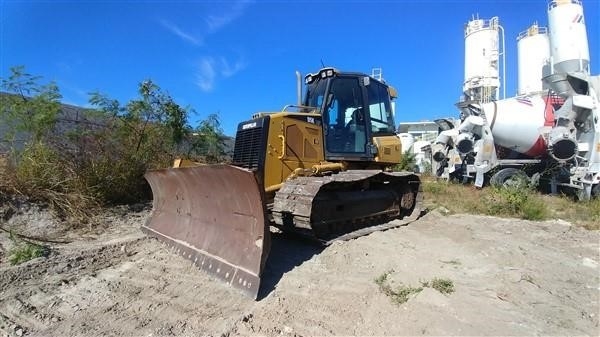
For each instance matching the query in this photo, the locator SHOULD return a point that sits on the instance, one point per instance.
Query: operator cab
(355, 108)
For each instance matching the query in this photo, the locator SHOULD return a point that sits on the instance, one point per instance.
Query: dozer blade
(214, 216)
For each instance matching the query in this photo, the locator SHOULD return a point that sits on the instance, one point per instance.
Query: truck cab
(356, 112)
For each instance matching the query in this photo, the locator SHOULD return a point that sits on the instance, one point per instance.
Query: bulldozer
(319, 169)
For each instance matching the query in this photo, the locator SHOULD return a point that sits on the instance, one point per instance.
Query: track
(348, 204)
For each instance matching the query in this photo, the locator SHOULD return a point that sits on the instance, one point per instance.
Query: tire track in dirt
(132, 287)
(511, 277)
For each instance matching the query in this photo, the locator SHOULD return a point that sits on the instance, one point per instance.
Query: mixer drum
(517, 123)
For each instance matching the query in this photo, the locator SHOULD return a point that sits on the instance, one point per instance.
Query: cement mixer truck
(550, 131)
(554, 137)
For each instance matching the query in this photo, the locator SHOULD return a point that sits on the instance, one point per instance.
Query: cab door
(346, 120)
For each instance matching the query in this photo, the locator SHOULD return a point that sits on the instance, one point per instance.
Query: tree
(30, 109)
(102, 157)
(145, 133)
(38, 168)
(208, 140)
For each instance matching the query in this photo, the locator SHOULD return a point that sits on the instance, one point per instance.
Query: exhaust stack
(299, 87)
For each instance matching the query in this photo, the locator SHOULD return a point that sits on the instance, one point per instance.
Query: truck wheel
(510, 177)
(596, 191)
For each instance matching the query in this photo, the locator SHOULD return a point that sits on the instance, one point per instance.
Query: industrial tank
(482, 59)
(533, 59)
(568, 36)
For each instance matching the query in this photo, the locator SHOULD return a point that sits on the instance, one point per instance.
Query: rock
(590, 263)
(443, 210)
(247, 317)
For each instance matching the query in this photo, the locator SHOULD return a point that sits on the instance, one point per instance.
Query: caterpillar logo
(249, 126)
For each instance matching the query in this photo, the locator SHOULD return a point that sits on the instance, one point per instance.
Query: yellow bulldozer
(320, 168)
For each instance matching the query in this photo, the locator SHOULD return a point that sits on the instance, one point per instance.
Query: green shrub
(516, 202)
(407, 162)
(526, 203)
(534, 209)
(26, 251)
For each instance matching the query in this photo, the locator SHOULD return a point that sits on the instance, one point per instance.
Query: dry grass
(525, 204)
(43, 176)
(583, 213)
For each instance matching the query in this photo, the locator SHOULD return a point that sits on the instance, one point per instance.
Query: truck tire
(510, 177)
(596, 191)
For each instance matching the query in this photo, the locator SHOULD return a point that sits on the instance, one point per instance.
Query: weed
(402, 293)
(398, 295)
(594, 209)
(434, 187)
(534, 209)
(452, 262)
(517, 201)
(380, 280)
(444, 286)
(26, 251)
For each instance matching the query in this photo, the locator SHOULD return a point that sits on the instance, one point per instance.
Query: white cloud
(228, 70)
(180, 33)
(218, 21)
(210, 69)
(205, 77)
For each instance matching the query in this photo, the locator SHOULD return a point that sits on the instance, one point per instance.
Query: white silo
(533, 59)
(568, 36)
(482, 53)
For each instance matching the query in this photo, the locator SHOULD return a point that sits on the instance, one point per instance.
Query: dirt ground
(510, 277)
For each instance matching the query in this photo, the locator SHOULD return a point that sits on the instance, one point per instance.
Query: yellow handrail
(282, 137)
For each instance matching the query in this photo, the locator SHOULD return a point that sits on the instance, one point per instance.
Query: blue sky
(239, 57)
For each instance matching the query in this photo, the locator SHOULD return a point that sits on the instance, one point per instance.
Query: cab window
(380, 109)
